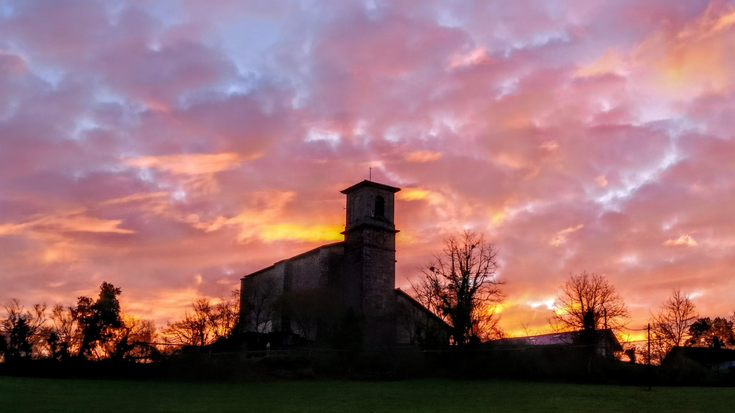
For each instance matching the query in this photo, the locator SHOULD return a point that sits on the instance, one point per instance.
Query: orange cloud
(167, 303)
(423, 156)
(474, 57)
(418, 194)
(145, 196)
(264, 221)
(498, 217)
(198, 170)
(601, 181)
(52, 231)
(71, 221)
(612, 62)
(549, 146)
(685, 240)
(191, 164)
(413, 194)
(510, 160)
(561, 236)
(299, 232)
(697, 58)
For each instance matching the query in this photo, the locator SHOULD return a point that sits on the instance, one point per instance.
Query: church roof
(372, 184)
(303, 254)
(402, 294)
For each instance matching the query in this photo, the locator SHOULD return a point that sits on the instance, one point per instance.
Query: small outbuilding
(604, 341)
(717, 359)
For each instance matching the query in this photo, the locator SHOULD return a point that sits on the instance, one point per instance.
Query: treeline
(677, 323)
(97, 329)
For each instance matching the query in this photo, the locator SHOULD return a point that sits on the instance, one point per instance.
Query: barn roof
(558, 339)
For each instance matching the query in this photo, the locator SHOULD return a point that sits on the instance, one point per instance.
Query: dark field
(56, 395)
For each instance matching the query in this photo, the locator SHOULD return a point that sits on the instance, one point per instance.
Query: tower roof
(370, 184)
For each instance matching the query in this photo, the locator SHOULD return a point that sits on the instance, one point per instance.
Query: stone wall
(320, 267)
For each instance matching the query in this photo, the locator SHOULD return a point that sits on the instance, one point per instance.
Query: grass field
(55, 395)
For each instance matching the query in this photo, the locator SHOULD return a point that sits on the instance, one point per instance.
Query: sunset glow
(172, 147)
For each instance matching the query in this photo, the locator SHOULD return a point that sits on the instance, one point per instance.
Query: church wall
(321, 267)
(262, 288)
(315, 268)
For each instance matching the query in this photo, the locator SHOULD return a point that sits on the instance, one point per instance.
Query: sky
(172, 147)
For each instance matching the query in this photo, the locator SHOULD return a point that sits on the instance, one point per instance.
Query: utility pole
(649, 344)
(604, 310)
(649, 356)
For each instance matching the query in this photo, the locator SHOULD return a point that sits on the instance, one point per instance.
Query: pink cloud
(202, 143)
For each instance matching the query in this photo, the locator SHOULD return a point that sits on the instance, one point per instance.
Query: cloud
(160, 140)
(423, 156)
(264, 221)
(72, 221)
(474, 57)
(11, 63)
(413, 194)
(693, 59)
(561, 236)
(275, 232)
(191, 164)
(610, 63)
(136, 198)
(686, 240)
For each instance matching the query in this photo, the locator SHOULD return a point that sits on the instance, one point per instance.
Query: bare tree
(588, 293)
(195, 329)
(22, 330)
(227, 314)
(459, 285)
(488, 322)
(670, 324)
(205, 323)
(132, 340)
(61, 333)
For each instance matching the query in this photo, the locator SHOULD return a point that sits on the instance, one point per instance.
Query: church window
(379, 206)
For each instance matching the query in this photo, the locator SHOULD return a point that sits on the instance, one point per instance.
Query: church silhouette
(357, 274)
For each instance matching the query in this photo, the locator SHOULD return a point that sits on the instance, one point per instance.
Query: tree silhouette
(583, 293)
(195, 329)
(460, 286)
(97, 320)
(716, 333)
(19, 345)
(63, 340)
(3, 345)
(22, 330)
(94, 329)
(670, 324)
(132, 340)
(204, 324)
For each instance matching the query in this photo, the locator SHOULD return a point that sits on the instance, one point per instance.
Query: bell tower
(370, 259)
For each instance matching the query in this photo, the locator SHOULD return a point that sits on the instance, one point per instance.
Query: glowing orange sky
(172, 147)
